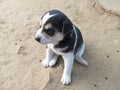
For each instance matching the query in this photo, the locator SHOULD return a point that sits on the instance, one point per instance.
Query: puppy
(62, 39)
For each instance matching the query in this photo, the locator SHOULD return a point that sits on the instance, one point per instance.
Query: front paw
(66, 79)
(52, 63)
(45, 63)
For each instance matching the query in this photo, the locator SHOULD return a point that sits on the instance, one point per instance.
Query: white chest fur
(55, 50)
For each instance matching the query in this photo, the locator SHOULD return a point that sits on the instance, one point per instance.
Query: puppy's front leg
(49, 55)
(68, 64)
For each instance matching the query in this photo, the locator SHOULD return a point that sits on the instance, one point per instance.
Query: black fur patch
(69, 41)
(50, 31)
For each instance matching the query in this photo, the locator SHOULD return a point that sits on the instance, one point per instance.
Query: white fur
(53, 60)
(68, 64)
(76, 37)
(50, 59)
(49, 55)
(56, 51)
(46, 17)
(55, 39)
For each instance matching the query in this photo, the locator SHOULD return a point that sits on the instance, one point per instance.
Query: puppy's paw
(45, 63)
(52, 63)
(83, 62)
(66, 79)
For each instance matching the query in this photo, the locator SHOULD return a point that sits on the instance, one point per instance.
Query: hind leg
(78, 55)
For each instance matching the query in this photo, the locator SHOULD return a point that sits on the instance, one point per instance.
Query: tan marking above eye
(48, 26)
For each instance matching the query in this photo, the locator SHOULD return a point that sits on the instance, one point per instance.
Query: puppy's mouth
(43, 42)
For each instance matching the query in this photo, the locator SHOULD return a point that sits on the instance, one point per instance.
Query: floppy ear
(67, 27)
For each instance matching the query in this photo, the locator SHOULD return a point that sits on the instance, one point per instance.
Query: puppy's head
(54, 26)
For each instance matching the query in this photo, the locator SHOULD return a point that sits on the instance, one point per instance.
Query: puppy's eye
(50, 32)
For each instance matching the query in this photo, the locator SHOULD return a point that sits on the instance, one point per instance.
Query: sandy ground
(21, 55)
(111, 6)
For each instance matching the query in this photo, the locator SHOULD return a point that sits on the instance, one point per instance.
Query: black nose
(37, 39)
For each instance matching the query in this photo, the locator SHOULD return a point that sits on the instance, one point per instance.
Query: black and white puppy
(62, 38)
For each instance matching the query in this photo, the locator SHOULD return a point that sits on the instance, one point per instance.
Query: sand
(21, 55)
